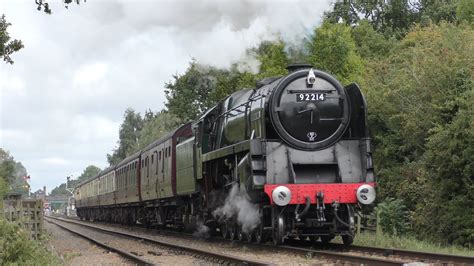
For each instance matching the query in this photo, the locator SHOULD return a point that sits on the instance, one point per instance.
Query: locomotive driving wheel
(278, 227)
(260, 236)
(347, 240)
(249, 236)
(224, 228)
(240, 234)
(233, 231)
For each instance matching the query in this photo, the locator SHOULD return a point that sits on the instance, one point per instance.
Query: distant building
(40, 194)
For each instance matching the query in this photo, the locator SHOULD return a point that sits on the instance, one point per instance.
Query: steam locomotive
(290, 158)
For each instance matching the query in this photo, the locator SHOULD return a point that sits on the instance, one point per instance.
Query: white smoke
(201, 230)
(237, 205)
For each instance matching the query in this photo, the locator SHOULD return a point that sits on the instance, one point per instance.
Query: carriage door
(197, 150)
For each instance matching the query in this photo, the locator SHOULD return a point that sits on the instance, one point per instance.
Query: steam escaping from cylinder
(201, 230)
(237, 206)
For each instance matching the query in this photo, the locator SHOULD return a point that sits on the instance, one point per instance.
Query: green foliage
(3, 188)
(128, 137)
(370, 43)
(17, 249)
(393, 215)
(12, 173)
(437, 11)
(334, 50)
(450, 162)
(273, 59)
(394, 18)
(419, 98)
(7, 46)
(385, 16)
(187, 94)
(465, 10)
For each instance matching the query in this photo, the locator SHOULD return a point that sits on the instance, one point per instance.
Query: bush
(17, 249)
(393, 216)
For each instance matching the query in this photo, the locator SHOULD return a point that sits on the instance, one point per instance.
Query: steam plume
(238, 206)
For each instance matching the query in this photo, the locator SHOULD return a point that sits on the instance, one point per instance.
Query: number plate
(310, 97)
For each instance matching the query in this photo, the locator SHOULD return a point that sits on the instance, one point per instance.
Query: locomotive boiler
(296, 148)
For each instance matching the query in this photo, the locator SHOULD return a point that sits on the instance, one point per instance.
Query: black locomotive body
(295, 148)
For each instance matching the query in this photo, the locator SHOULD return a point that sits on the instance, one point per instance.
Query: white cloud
(55, 161)
(90, 73)
(12, 85)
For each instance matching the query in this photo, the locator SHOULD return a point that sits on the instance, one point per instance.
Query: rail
(203, 254)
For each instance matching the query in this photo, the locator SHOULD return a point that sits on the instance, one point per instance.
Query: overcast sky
(63, 100)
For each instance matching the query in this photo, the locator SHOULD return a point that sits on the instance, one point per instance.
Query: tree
(273, 59)
(89, 172)
(12, 173)
(370, 43)
(450, 162)
(187, 94)
(129, 135)
(7, 46)
(334, 50)
(421, 125)
(393, 17)
(162, 123)
(59, 190)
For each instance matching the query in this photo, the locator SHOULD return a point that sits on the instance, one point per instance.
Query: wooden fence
(28, 213)
(367, 222)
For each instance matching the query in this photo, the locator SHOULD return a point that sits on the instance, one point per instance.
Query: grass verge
(408, 243)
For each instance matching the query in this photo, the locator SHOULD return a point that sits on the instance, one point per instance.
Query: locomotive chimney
(298, 66)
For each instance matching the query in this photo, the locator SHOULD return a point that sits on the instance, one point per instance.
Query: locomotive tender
(296, 147)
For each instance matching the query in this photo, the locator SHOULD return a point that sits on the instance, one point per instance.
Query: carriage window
(163, 162)
(127, 175)
(156, 170)
(147, 168)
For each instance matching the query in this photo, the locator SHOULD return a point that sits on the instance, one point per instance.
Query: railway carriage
(107, 186)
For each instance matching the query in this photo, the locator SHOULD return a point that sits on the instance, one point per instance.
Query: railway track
(420, 256)
(182, 250)
(124, 253)
(339, 254)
